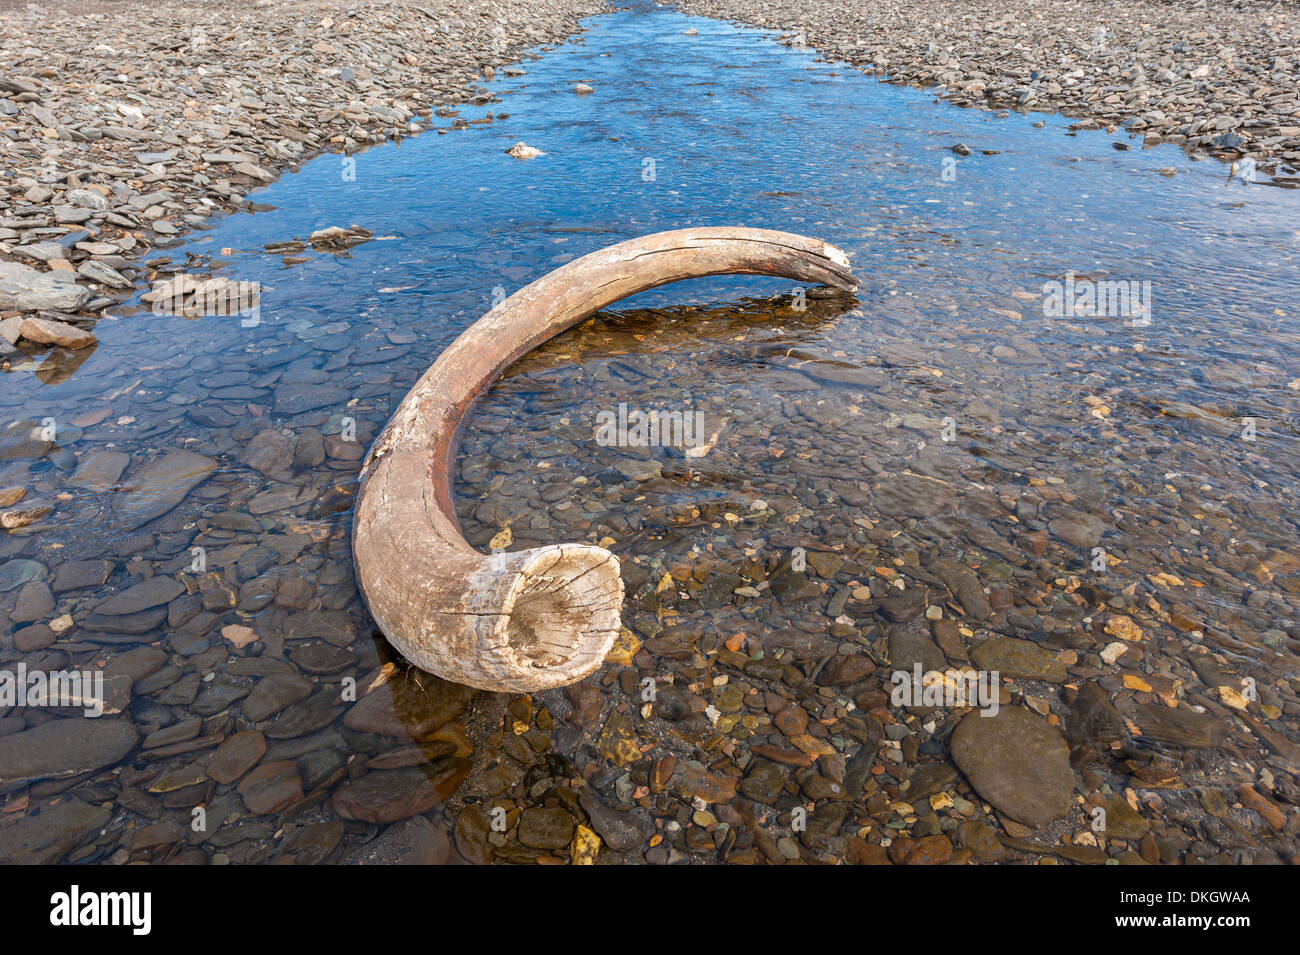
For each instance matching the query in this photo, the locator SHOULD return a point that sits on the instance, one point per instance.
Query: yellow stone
(624, 649)
(1124, 628)
(501, 540)
(812, 746)
(1163, 579)
(940, 801)
(1231, 696)
(1135, 682)
(617, 741)
(585, 848)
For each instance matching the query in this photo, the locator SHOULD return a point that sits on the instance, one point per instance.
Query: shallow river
(943, 471)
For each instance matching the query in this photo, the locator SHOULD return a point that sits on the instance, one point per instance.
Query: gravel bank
(123, 124)
(1216, 78)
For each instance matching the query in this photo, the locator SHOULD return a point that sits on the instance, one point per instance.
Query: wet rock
(982, 841)
(845, 670)
(900, 607)
(1093, 723)
(1178, 728)
(23, 439)
(473, 826)
(178, 732)
(271, 787)
(47, 834)
(413, 841)
(791, 588)
(309, 451)
(19, 571)
(929, 779)
(296, 399)
(524, 151)
(80, 574)
(965, 586)
(408, 709)
(333, 626)
(336, 238)
(388, 795)
(272, 694)
(909, 646)
(162, 833)
(269, 451)
(311, 845)
(1122, 820)
(1017, 762)
(36, 637)
(159, 486)
(913, 495)
(1078, 528)
(312, 714)
(151, 593)
(693, 781)
(27, 290)
(545, 828)
(928, 850)
(236, 755)
(100, 470)
(764, 781)
(64, 747)
(320, 765)
(1019, 660)
(136, 664)
(321, 658)
(414, 754)
(620, 830)
(133, 623)
(44, 331)
(35, 602)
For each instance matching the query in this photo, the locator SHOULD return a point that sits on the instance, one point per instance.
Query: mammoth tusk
(544, 617)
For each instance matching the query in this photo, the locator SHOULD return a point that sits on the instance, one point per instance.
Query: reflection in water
(936, 473)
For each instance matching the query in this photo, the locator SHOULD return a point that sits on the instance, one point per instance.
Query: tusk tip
(558, 618)
(840, 267)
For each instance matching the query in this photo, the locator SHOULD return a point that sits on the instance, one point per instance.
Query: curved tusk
(545, 617)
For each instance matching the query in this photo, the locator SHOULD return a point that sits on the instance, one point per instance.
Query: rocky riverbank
(123, 125)
(1219, 78)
